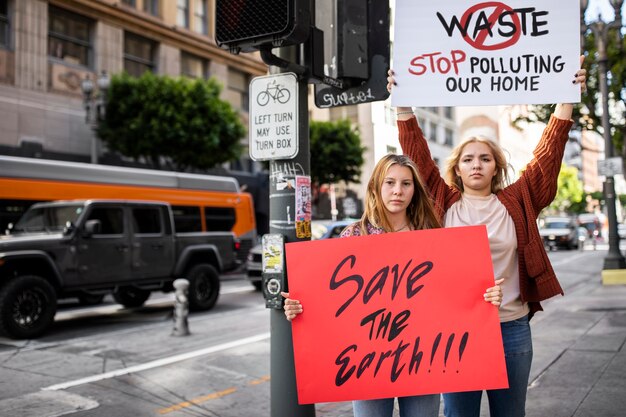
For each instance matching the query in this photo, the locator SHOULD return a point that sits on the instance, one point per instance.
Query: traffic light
(356, 49)
(249, 25)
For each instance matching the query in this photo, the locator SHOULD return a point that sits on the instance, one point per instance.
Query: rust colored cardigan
(523, 199)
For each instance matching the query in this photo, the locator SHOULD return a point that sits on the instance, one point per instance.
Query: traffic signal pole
(290, 27)
(283, 394)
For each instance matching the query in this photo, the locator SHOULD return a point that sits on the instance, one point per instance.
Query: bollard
(181, 308)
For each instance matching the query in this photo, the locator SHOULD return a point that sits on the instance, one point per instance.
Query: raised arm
(415, 146)
(542, 172)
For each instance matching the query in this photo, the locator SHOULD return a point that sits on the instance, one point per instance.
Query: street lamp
(95, 106)
(600, 29)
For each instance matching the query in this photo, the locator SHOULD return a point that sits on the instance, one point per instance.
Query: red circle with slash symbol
(481, 37)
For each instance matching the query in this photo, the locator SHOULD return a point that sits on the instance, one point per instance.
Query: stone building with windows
(48, 47)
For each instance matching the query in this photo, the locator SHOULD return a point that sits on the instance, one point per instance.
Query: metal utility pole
(284, 397)
(286, 219)
(600, 29)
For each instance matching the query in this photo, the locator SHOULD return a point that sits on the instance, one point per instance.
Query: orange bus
(199, 202)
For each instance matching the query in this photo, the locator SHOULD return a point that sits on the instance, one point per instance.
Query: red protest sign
(394, 315)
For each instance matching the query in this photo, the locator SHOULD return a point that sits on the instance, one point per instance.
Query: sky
(604, 7)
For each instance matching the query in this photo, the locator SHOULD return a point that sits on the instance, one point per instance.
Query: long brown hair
(420, 212)
(498, 182)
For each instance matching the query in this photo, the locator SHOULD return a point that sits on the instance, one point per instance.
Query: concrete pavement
(579, 366)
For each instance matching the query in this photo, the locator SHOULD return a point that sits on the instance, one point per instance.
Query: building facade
(48, 47)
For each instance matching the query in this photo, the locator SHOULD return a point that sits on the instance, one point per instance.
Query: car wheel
(131, 297)
(27, 307)
(204, 287)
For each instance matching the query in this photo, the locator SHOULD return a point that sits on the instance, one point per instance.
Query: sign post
(279, 133)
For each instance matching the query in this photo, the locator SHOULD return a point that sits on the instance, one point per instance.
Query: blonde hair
(420, 212)
(498, 182)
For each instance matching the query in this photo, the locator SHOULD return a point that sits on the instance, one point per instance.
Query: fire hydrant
(181, 308)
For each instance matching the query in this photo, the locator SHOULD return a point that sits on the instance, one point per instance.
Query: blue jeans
(415, 406)
(511, 402)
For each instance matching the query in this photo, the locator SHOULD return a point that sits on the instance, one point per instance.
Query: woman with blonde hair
(476, 194)
(395, 201)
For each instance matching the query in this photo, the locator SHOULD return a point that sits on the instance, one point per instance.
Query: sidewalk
(579, 364)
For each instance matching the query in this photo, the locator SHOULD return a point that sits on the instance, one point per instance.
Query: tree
(589, 112)
(178, 120)
(569, 192)
(336, 152)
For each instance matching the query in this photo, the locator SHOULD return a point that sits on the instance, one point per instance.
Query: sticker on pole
(274, 117)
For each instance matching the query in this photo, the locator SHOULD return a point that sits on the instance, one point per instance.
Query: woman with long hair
(476, 193)
(395, 201)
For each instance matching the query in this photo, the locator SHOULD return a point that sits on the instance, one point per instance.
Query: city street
(107, 361)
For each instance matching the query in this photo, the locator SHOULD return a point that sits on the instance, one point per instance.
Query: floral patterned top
(355, 230)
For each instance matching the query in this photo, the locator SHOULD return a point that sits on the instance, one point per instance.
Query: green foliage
(569, 192)
(592, 100)
(180, 120)
(336, 152)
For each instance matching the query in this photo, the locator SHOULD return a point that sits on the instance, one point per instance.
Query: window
(187, 219)
(111, 220)
(447, 112)
(131, 3)
(147, 220)
(182, 14)
(4, 23)
(138, 54)
(151, 6)
(200, 17)
(194, 66)
(449, 139)
(433, 131)
(238, 86)
(11, 211)
(69, 37)
(392, 149)
(219, 219)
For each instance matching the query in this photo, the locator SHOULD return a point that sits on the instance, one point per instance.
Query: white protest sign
(274, 117)
(458, 52)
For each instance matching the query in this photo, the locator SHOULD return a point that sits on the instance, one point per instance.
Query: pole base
(614, 261)
(614, 277)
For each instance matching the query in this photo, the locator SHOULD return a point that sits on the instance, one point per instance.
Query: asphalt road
(110, 361)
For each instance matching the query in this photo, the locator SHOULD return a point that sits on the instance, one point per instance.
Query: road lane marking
(260, 380)
(205, 398)
(197, 401)
(159, 362)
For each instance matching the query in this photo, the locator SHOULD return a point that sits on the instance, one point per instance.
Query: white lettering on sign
(274, 117)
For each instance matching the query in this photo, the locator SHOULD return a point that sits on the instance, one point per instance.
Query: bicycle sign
(273, 119)
(275, 92)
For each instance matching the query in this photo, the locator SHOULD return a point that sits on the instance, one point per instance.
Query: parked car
(559, 232)
(592, 224)
(88, 248)
(621, 230)
(320, 229)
